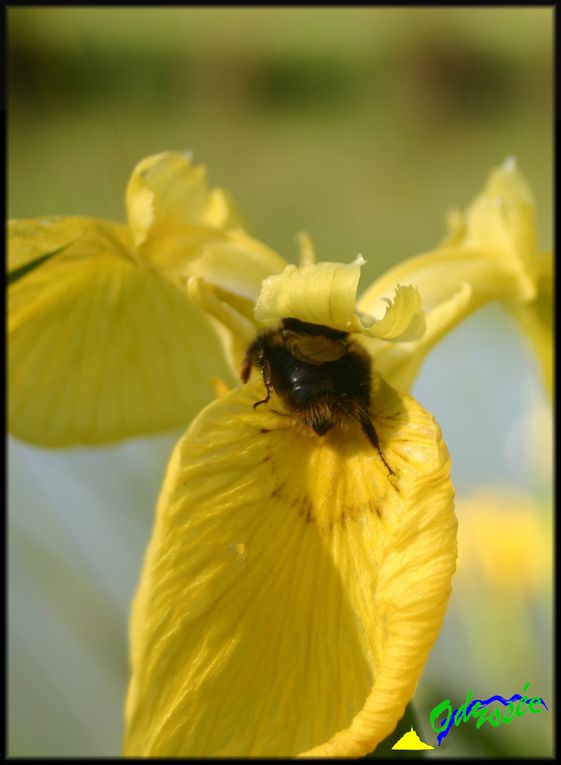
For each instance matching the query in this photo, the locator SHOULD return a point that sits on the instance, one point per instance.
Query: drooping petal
(291, 591)
(325, 293)
(491, 254)
(102, 348)
(32, 240)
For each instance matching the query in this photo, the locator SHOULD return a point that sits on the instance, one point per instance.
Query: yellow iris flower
(292, 588)
(506, 541)
(490, 254)
(503, 586)
(104, 342)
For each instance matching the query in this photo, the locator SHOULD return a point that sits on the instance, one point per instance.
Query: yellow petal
(237, 265)
(166, 188)
(102, 348)
(221, 211)
(307, 250)
(536, 319)
(504, 584)
(232, 324)
(171, 211)
(400, 362)
(502, 218)
(325, 293)
(291, 592)
(182, 227)
(220, 387)
(34, 238)
(505, 542)
(225, 281)
(403, 319)
(489, 255)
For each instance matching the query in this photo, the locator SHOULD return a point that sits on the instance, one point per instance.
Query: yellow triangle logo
(411, 740)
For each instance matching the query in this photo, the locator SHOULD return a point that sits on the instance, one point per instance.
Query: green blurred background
(363, 126)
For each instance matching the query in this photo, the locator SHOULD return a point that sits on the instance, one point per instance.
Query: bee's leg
(246, 367)
(372, 436)
(266, 373)
(253, 355)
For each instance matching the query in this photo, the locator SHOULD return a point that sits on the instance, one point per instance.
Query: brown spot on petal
(277, 491)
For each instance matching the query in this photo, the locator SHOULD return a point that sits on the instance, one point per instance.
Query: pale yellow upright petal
(171, 212)
(502, 218)
(166, 189)
(325, 293)
(105, 342)
(181, 226)
(490, 254)
(291, 591)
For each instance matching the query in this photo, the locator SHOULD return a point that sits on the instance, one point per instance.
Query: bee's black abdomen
(351, 376)
(340, 387)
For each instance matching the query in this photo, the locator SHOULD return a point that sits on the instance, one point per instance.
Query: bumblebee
(321, 376)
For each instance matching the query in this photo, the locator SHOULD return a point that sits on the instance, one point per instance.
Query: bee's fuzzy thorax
(321, 377)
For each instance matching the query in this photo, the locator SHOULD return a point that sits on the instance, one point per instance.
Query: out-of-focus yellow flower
(503, 586)
(505, 543)
(104, 342)
(490, 253)
(292, 588)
